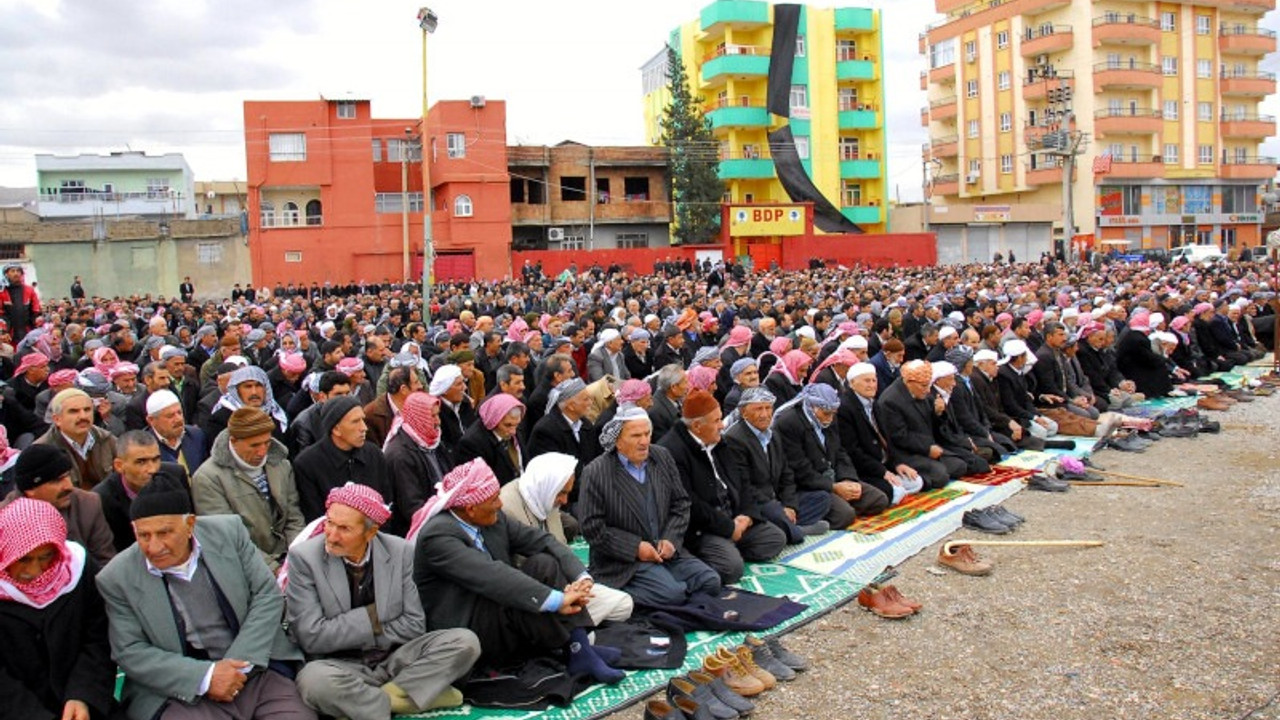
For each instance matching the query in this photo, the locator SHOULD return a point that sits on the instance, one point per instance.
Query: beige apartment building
(1161, 99)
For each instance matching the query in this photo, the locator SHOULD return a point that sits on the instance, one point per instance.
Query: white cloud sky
(166, 76)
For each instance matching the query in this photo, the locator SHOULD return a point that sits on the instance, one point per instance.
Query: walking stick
(1115, 483)
(949, 546)
(1126, 476)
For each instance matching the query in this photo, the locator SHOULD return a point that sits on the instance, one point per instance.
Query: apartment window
(848, 98)
(1204, 68)
(802, 147)
(1170, 110)
(1170, 152)
(462, 206)
(391, 202)
(971, 88)
(846, 50)
(346, 111)
(377, 150)
(799, 46)
(1002, 39)
(573, 188)
(1002, 80)
(208, 253)
(970, 51)
(287, 147)
(973, 128)
(633, 240)
(1239, 199)
(1241, 155)
(456, 145)
(1006, 164)
(1204, 111)
(975, 166)
(1197, 199)
(293, 257)
(1169, 64)
(1205, 155)
(573, 242)
(852, 194)
(849, 149)
(942, 54)
(400, 149)
(1228, 237)
(799, 96)
(1168, 21)
(1203, 24)
(1006, 122)
(157, 187)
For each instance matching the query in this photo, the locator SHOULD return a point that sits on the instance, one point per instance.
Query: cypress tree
(696, 188)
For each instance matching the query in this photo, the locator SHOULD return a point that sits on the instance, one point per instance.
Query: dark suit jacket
(480, 442)
(713, 503)
(194, 448)
(861, 442)
(452, 573)
(116, 503)
(553, 434)
(1138, 361)
(969, 412)
(1015, 395)
(611, 508)
(815, 466)
(764, 473)
(323, 467)
(413, 478)
(377, 418)
(908, 424)
(664, 414)
(884, 374)
(986, 392)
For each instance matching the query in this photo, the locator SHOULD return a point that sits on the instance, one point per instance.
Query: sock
(610, 655)
(583, 660)
(401, 704)
(450, 697)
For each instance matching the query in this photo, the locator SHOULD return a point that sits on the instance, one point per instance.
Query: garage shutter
(455, 266)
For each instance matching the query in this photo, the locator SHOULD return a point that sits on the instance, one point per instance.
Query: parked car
(1197, 254)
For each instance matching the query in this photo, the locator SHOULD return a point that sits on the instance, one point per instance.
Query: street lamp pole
(427, 21)
(404, 204)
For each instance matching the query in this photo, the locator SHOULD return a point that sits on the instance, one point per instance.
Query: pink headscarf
(468, 484)
(634, 389)
(1004, 320)
(1141, 321)
(792, 365)
(1179, 323)
(63, 378)
(702, 377)
(419, 418)
(363, 498)
(104, 359)
(839, 357)
(780, 345)
(739, 336)
(25, 525)
(498, 407)
(516, 331)
(7, 454)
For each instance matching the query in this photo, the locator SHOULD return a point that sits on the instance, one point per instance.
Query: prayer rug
(909, 509)
(999, 475)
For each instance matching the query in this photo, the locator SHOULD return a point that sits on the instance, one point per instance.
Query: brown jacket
(378, 416)
(85, 474)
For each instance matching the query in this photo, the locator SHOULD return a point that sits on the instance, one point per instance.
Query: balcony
(1248, 168)
(855, 68)
(746, 168)
(855, 20)
(1139, 166)
(944, 75)
(734, 13)
(943, 108)
(1247, 84)
(864, 214)
(1241, 40)
(1128, 121)
(1125, 29)
(736, 61)
(1045, 175)
(1131, 75)
(1248, 126)
(946, 185)
(741, 115)
(859, 169)
(95, 203)
(964, 8)
(1242, 6)
(942, 147)
(1047, 39)
(859, 120)
(1038, 87)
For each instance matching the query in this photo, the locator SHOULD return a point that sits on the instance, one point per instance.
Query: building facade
(121, 184)
(578, 197)
(1160, 98)
(824, 141)
(330, 188)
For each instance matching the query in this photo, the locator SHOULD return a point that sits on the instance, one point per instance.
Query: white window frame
(973, 129)
(1204, 111)
(293, 256)
(632, 240)
(1204, 24)
(1170, 155)
(799, 96)
(287, 147)
(209, 253)
(462, 206)
(1169, 64)
(1006, 122)
(847, 97)
(851, 193)
(1204, 68)
(971, 88)
(1168, 21)
(970, 51)
(1006, 164)
(1205, 155)
(456, 145)
(1170, 110)
(1002, 39)
(802, 146)
(975, 166)
(346, 110)
(1002, 80)
(573, 242)
(799, 45)
(850, 148)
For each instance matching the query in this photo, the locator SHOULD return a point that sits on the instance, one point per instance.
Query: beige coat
(514, 506)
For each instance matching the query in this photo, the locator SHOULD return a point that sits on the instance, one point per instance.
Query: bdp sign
(766, 220)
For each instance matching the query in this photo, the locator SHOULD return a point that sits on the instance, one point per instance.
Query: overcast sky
(98, 75)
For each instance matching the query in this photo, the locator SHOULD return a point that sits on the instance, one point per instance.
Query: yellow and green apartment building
(1167, 95)
(834, 109)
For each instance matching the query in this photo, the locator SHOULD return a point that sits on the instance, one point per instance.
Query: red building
(327, 183)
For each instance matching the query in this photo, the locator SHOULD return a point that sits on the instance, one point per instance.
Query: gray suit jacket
(598, 366)
(321, 618)
(451, 572)
(144, 636)
(611, 507)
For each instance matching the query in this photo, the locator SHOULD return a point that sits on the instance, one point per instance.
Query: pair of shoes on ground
(1125, 441)
(994, 520)
(887, 602)
(963, 560)
(1044, 483)
(1216, 403)
(1192, 417)
(754, 666)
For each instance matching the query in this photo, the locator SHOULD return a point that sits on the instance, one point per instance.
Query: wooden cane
(1115, 483)
(1126, 476)
(949, 546)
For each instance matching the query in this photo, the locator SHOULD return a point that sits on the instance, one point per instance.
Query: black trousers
(509, 636)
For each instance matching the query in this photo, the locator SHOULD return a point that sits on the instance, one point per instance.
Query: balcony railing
(1245, 75)
(1248, 160)
(733, 49)
(1126, 65)
(1244, 30)
(288, 220)
(1128, 112)
(98, 196)
(941, 102)
(1039, 31)
(845, 54)
(1125, 19)
(1246, 117)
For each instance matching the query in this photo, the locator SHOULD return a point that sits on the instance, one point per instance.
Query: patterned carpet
(909, 509)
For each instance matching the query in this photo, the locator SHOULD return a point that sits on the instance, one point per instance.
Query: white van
(1196, 254)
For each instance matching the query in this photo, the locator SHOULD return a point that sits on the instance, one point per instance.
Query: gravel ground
(1178, 616)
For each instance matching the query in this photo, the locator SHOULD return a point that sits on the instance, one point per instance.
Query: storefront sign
(766, 220)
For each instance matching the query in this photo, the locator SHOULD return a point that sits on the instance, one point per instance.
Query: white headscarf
(543, 480)
(444, 379)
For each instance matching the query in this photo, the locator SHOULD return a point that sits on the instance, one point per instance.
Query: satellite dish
(1273, 239)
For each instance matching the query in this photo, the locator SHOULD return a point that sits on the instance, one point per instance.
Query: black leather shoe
(983, 522)
(1006, 516)
(1044, 483)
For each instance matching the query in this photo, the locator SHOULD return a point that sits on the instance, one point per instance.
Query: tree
(696, 188)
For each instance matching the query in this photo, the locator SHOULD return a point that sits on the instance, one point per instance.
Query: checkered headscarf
(25, 525)
(468, 484)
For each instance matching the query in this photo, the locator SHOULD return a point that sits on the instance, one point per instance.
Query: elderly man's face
(824, 416)
(758, 414)
(506, 427)
(918, 388)
(251, 393)
(57, 492)
(347, 533)
(865, 385)
(76, 416)
(749, 377)
(707, 428)
(165, 540)
(456, 391)
(947, 384)
(633, 440)
(33, 564)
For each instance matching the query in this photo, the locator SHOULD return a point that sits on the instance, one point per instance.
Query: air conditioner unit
(1042, 59)
(477, 101)
(555, 234)
(972, 178)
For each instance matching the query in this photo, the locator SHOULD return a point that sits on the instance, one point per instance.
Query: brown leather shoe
(877, 602)
(749, 662)
(963, 560)
(735, 677)
(897, 596)
(1212, 403)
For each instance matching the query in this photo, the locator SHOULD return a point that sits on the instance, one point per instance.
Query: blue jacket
(193, 449)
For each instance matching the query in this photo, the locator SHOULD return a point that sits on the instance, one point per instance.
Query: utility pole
(1060, 141)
